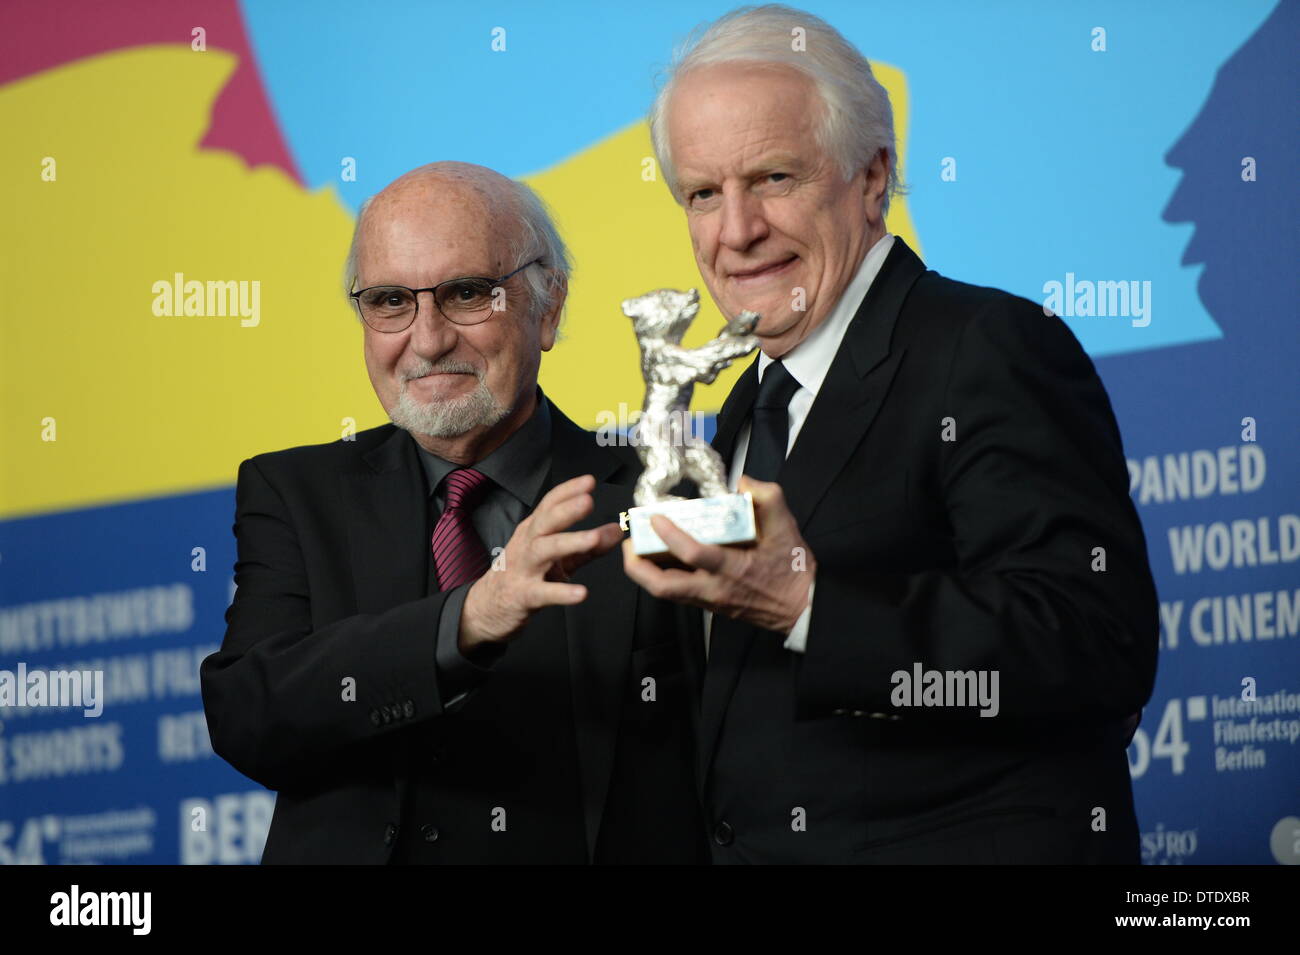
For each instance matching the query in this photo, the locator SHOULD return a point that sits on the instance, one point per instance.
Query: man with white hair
(932, 651)
(409, 704)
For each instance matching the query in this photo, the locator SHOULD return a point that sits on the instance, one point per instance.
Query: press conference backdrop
(1130, 166)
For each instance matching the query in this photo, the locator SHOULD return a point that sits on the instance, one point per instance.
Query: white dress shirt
(808, 363)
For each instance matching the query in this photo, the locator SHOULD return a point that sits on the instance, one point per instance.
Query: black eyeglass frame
(415, 294)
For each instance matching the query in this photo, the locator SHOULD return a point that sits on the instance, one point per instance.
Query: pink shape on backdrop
(37, 35)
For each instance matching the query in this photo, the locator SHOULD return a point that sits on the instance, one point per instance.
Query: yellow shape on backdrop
(628, 236)
(146, 404)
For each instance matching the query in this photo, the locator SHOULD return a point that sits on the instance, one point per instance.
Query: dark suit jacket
(557, 744)
(976, 553)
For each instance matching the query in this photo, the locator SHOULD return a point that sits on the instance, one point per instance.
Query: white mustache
(447, 366)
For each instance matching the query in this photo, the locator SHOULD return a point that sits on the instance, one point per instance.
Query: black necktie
(770, 430)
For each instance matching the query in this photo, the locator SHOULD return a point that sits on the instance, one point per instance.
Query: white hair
(857, 120)
(537, 238)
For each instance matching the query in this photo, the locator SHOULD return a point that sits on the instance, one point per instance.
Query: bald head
(459, 201)
(443, 190)
(487, 183)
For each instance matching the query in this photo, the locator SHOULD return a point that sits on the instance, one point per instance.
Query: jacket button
(838, 712)
(375, 717)
(387, 712)
(430, 833)
(723, 834)
(408, 709)
(390, 833)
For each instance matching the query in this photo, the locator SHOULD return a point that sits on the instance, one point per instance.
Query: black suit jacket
(955, 477)
(333, 591)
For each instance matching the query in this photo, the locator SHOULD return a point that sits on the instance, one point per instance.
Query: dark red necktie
(458, 552)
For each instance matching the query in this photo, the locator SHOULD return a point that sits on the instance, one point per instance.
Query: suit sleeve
(287, 704)
(1035, 490)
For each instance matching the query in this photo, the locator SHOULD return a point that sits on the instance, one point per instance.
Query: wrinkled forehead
(435, 226)
(736, 115)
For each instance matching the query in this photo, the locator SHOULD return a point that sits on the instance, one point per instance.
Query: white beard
(449, 417)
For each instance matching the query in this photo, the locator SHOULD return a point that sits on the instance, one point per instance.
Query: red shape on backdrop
(37, 35)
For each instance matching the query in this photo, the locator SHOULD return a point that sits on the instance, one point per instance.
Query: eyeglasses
(463, 301)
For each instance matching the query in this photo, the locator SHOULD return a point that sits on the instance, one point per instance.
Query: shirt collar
(810, 360)
(519, 465)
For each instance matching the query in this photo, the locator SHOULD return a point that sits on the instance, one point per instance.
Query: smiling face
(459, 389)
(774, 224)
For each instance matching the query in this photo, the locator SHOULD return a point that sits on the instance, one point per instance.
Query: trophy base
(727, 519)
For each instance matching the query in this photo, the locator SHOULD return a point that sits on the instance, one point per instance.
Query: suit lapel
(387, 508)
(727, 650)
(735, 412)
(729, 644)
(386, 502)
(854, 388)
(689, 624)
(600, 629)
(726, 656)
(847, 402)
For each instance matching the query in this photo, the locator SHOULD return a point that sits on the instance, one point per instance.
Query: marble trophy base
(726, 519)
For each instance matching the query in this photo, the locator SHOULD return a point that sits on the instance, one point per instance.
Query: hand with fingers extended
(533, 571)
(766, 585)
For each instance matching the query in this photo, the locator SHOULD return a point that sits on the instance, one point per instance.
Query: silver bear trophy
(668, 451)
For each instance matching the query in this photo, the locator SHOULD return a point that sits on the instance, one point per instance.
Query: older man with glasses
(433, 654)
